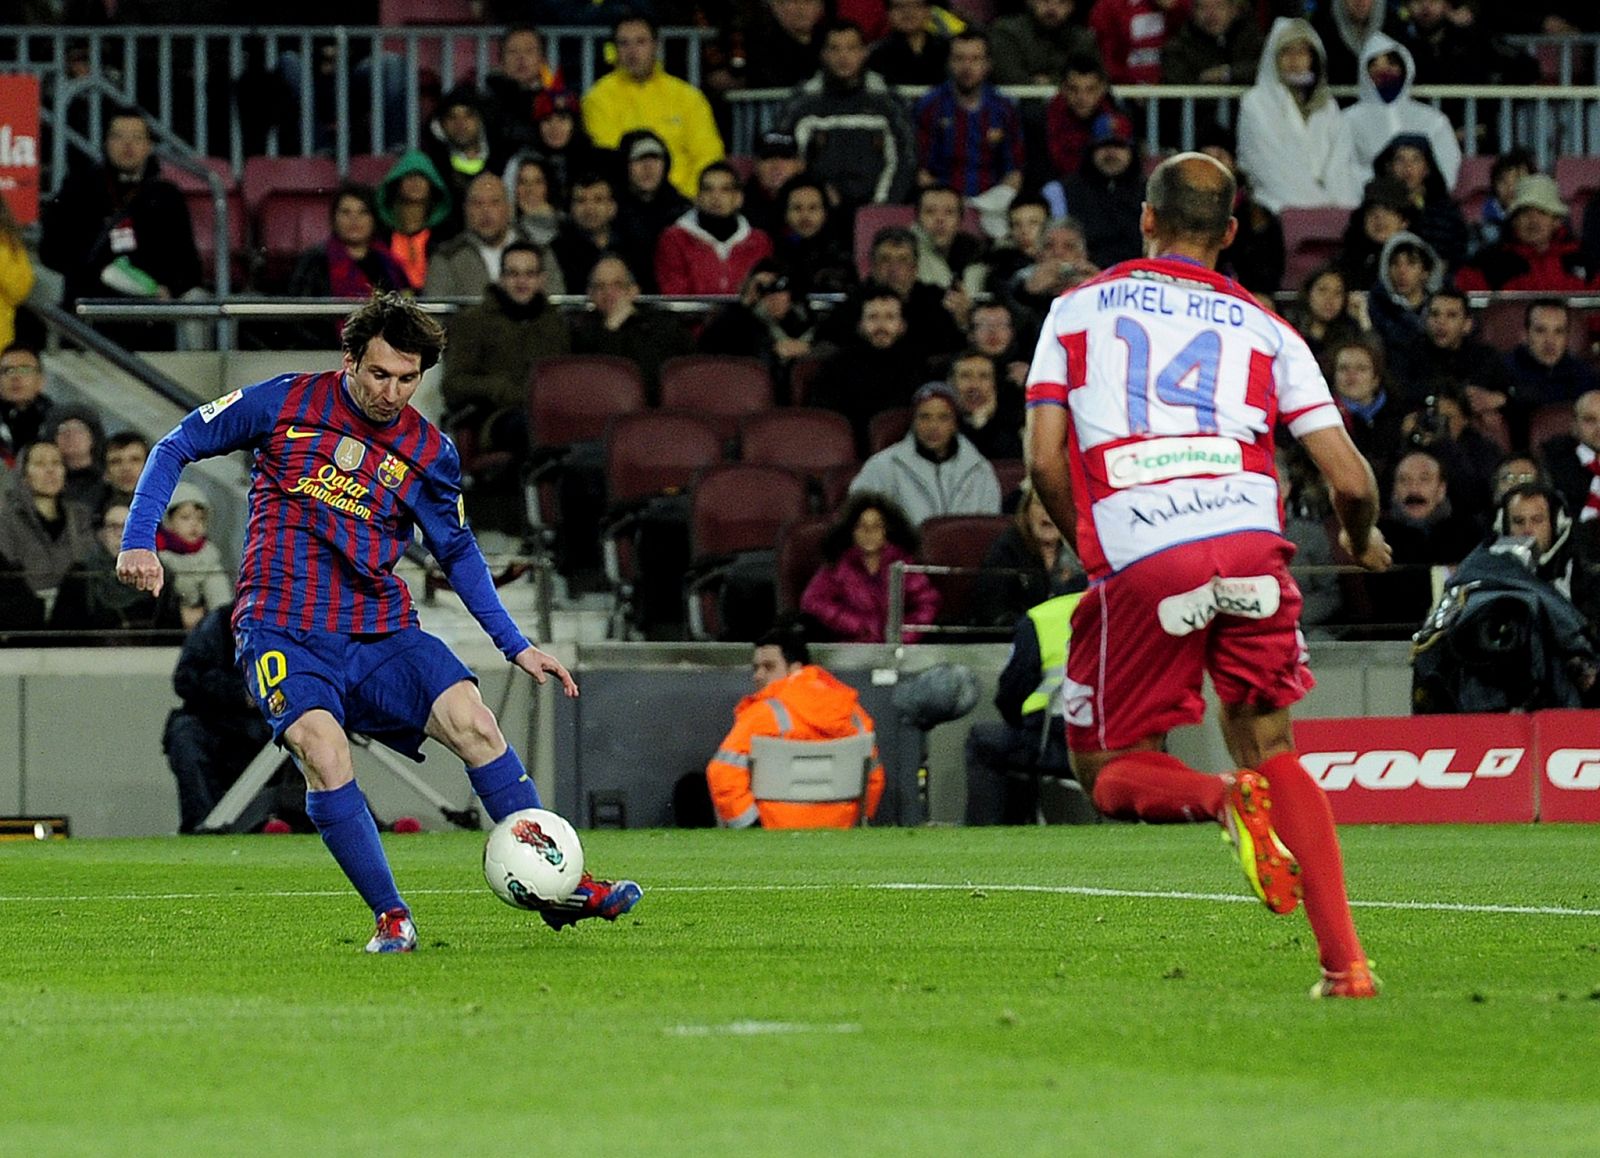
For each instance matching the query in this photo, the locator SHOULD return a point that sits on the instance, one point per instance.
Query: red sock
(1304, 821)
(1157, 788)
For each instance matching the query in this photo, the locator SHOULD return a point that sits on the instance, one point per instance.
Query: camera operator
(766, 322)
(1442, 427)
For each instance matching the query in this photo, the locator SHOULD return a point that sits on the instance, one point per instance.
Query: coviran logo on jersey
(339, 491)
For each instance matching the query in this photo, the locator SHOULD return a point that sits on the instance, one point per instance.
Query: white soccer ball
(533, 859)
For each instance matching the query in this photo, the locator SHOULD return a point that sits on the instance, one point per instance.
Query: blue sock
(348, 830)
(504, 786)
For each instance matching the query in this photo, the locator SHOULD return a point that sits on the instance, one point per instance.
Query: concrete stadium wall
(80, 728)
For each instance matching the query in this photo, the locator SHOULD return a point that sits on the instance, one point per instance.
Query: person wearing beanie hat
(1106, 192)
(934, 469)
(777, 163)
(191, 559)
(1536, 251)
(647, 203)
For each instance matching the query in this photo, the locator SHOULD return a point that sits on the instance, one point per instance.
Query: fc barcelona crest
(349, 453)
(392, 472)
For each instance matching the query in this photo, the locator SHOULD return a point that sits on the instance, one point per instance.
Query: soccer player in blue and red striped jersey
(344, 470)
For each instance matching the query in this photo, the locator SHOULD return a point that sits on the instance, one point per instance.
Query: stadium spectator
(493, 346)
(1539, 253)
(1105, 194)
(413, 202)
(991, 421)
(1132, 33)
(93, 608)
(712, 247)
(1293, 141)
(794, 699)
(125, 454)
(1409, 160)
(617, 324)
(1385, 210)
(1385, 110)
(1514, 469)
(783, 48)
(1256, 258)
(24, 406)
(193, 564)
(1082, 98)
(1372, 414)
(969, 137)
(589, 230)
(40, 532)
(917, 48)
(1033, 47)
(809, 244)
(351, 263)
(848, 597)
(1063, 262)
(947, 255)
(932, 330)
(993, 332)
(1509, 168)
(564, 143)
(534, 214)
(1448, 357)
(1006, 758)
(1572, 460)
(1345, 27)
(214, 734)
(1026, 218)
(1446, 48)
(853, 133)
(876, 369)
(1321, 311)
(777, 162)
(639, 94)
(118, 230)
(525, 72)
(462, 145)
(1220, 43)
(1543, 368)
(934, 469)
(1441, 425)
(1028, 563)
(1424, 529)
(80, 436)
(463, 266)
(647, 204)
(16, 274)
(767, 322)
(1408, 272)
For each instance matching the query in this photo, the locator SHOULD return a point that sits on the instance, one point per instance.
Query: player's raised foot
(395, 933)
(593, 898)
(1270, 867)
(1356, 981)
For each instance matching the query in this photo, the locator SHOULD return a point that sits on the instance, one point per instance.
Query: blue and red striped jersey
(334, 501)
(970, 150)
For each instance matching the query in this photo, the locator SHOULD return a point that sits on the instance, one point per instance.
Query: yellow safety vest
(1052, 622)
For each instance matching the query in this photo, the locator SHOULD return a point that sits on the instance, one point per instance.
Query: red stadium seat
(572, 398)
(871, 218)
(958, 541)
(393, 12)
(720, 388)
(1547, 422)
(370, 168)
(807, 439)
(1311, 237)
(802, 373)
(290, 223)
(1010, 472)
(888, 427)
(736, 509)
(799, 557)
(1474, 176)
(1577, 178)
(1500, 324)
(267, 176)
(202, 215)
(836, 482)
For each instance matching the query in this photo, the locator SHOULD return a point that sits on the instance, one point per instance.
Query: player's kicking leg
(462, 722)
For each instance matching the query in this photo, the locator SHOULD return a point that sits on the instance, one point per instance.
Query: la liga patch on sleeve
(215, 407)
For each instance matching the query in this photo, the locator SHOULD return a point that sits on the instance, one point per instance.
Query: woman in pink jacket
(849, 594)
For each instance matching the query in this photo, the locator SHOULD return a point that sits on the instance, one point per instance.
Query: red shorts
(1143, 638)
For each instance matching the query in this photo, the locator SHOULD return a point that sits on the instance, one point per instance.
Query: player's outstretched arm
(141, 570)
(536, 663)
(1355, 495)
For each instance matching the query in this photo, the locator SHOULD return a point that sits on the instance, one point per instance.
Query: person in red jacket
(1536, 252)
(1131, 34)
(711, 248)
(849, 594)
(794, 700)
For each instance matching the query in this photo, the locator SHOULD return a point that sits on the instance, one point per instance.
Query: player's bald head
(1191, 196)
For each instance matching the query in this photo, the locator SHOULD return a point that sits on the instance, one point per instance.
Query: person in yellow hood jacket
(795, 700)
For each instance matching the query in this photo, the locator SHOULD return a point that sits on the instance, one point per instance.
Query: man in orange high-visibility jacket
(794, 700)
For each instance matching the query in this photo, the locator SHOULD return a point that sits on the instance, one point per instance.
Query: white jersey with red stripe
(1173, 379)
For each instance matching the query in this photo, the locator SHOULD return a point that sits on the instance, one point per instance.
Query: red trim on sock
(1303, 819)
(1157, 788)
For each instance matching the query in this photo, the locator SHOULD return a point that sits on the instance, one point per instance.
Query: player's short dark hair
(398, 320)
(589, 178)
(522, 246)
(788, 635)
(1188, 210)
(356, 191)
(1455, 294)
(124, 438)
(1544, 304)
(719, 167)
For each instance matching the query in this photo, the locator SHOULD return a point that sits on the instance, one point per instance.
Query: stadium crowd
(937, 228)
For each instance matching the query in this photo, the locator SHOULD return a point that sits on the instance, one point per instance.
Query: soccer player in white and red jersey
(1153, 397)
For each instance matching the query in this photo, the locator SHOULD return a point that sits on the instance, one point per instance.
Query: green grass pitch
(1101, 990)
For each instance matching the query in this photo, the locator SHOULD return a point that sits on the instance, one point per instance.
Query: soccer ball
(533, 859)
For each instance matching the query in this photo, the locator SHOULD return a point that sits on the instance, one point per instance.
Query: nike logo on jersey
(293, 433)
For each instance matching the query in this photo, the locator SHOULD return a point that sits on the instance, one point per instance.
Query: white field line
(888, 886)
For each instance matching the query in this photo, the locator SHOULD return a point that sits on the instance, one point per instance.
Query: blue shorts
(382, 686)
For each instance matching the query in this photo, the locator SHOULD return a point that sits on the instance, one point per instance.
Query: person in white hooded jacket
(1293, 141)
(934, 469)
(1386, 109)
